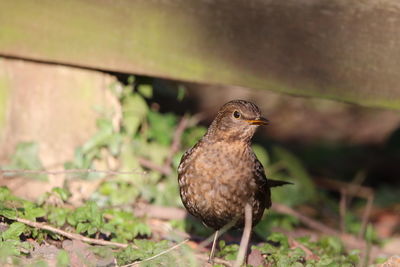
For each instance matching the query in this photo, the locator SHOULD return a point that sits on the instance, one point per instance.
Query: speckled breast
(216, 183)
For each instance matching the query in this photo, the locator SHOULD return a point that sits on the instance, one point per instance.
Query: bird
(221, 173)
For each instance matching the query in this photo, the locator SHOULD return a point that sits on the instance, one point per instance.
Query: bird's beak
(259, 121)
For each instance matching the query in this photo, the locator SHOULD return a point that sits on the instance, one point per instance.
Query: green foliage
(192, 135)
(145, 90)
(161, 127)
(26, 157)
(125, 226)
(12, 207)
(142, 132)
(228, 252)
(271, 220)
(261, 154)
(146, 249)
(87, 218)
(290, 168)
(14, 231)
(329, 250)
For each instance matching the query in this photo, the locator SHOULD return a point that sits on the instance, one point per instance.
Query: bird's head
(237, 120)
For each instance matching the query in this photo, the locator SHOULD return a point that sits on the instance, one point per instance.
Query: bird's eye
(236, 114)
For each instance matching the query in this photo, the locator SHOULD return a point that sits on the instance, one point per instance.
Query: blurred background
(112, 87)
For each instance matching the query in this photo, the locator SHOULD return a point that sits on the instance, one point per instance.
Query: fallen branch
(69, 235)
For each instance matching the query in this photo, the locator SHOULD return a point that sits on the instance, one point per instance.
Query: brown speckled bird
(221, 173)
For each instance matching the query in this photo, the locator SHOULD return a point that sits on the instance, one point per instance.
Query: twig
(71, 235)
(352, 189)
(176, 140)
(342, 209)
(166, 170)
(244, 242)
(157, 255)
(309, 254)
(365, 217)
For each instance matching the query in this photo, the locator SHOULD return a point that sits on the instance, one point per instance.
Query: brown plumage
(221, 173)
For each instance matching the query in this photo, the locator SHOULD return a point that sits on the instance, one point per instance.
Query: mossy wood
(344, 50)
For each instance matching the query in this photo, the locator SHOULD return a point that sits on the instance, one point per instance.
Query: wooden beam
(343, 50)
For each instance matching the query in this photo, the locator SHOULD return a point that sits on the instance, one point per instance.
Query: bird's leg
(244, 242)
(211, 258)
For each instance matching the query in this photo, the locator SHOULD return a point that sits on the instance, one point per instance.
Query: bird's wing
(262, 181)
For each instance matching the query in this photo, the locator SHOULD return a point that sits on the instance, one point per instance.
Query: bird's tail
(275, 183)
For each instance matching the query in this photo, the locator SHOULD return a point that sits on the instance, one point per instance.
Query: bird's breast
(218, 179)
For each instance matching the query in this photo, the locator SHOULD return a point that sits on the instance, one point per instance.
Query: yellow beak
(259, 121)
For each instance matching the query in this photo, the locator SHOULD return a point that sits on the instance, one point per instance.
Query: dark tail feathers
(275, 183)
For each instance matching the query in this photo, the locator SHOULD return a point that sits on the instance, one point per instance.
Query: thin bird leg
(244, 242)
(211, 258)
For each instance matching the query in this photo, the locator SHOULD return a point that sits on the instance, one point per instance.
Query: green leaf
(280, 238)
(228, 252)
(92, 230)
(332, 244)
(181, 93)
(141, 229)
(33, 213)
(14, 231)
(114, 144)
(58, 216)
(145, 90)
(95, 215)
(82, 227)
(162, 127)
(131, 80)
(101, 137)
(153, 150)
(134, 110)
(192, 135)
(370, 234)
(64, 194)
(8, 213)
